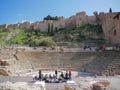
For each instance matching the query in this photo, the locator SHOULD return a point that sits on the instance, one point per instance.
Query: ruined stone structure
(111, 26)
(103, 63)
(109, 21)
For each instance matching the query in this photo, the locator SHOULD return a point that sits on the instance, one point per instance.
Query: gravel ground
(114, 81)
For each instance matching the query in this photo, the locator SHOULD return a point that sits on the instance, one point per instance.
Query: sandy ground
(28, 77)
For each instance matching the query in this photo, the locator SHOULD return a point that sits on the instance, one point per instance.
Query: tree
(110, 10)
(49, 28)
(52, 33)
(56, 18)
(50, 18)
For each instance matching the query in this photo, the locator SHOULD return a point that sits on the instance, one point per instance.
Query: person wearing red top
(70, 75)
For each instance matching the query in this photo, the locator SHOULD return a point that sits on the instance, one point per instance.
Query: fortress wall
(81, 19)
(110, 15)
(109, 26)
(3, 26)
(115, 38)
(91, 19)
(102, 17)
(43, 26)
(25, 25)
(35, 26)
(13, 26)
(70, 22)
(106, 20)
(57, 24)
(60, 23)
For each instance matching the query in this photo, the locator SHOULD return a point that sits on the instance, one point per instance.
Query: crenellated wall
(81, 18)
(110, 25)
(25, 25)
(73, 21)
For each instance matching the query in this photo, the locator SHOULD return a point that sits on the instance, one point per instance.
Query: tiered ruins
(110, 24)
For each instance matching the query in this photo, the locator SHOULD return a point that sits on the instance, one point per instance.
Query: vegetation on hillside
(71, 37)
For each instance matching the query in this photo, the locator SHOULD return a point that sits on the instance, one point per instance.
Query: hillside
(70, 37)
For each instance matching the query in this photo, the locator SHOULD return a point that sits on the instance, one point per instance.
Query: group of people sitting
(55, 78)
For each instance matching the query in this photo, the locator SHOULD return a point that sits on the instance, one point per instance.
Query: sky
(14, 11)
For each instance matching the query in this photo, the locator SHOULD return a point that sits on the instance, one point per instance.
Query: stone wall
(111, 27)
(3, 26)
(60, 23)
(41, 26)
(116, 38)
(13, 26)
(91, 19)
(73, 21)
(25, 25)
(81, 18)
(70, 22)
(109, 24)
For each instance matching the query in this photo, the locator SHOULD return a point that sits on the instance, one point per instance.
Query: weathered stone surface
(19, 86)
(3, 63)
(70, 87)
(3, 72)
(102, 85)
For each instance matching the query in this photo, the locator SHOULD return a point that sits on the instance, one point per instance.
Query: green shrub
(46, 41)
(43, 41)
(69, 37)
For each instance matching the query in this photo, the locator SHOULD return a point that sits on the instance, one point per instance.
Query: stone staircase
(107, 63)
(113, 68)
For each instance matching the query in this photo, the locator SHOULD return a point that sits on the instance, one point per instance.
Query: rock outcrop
(3, 63)
(3, 72)
(102, 85)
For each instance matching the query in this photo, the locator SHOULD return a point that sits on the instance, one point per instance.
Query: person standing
(56, 73)
(40, 74)
(66, 75)
(70, 75)
(62, 75)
